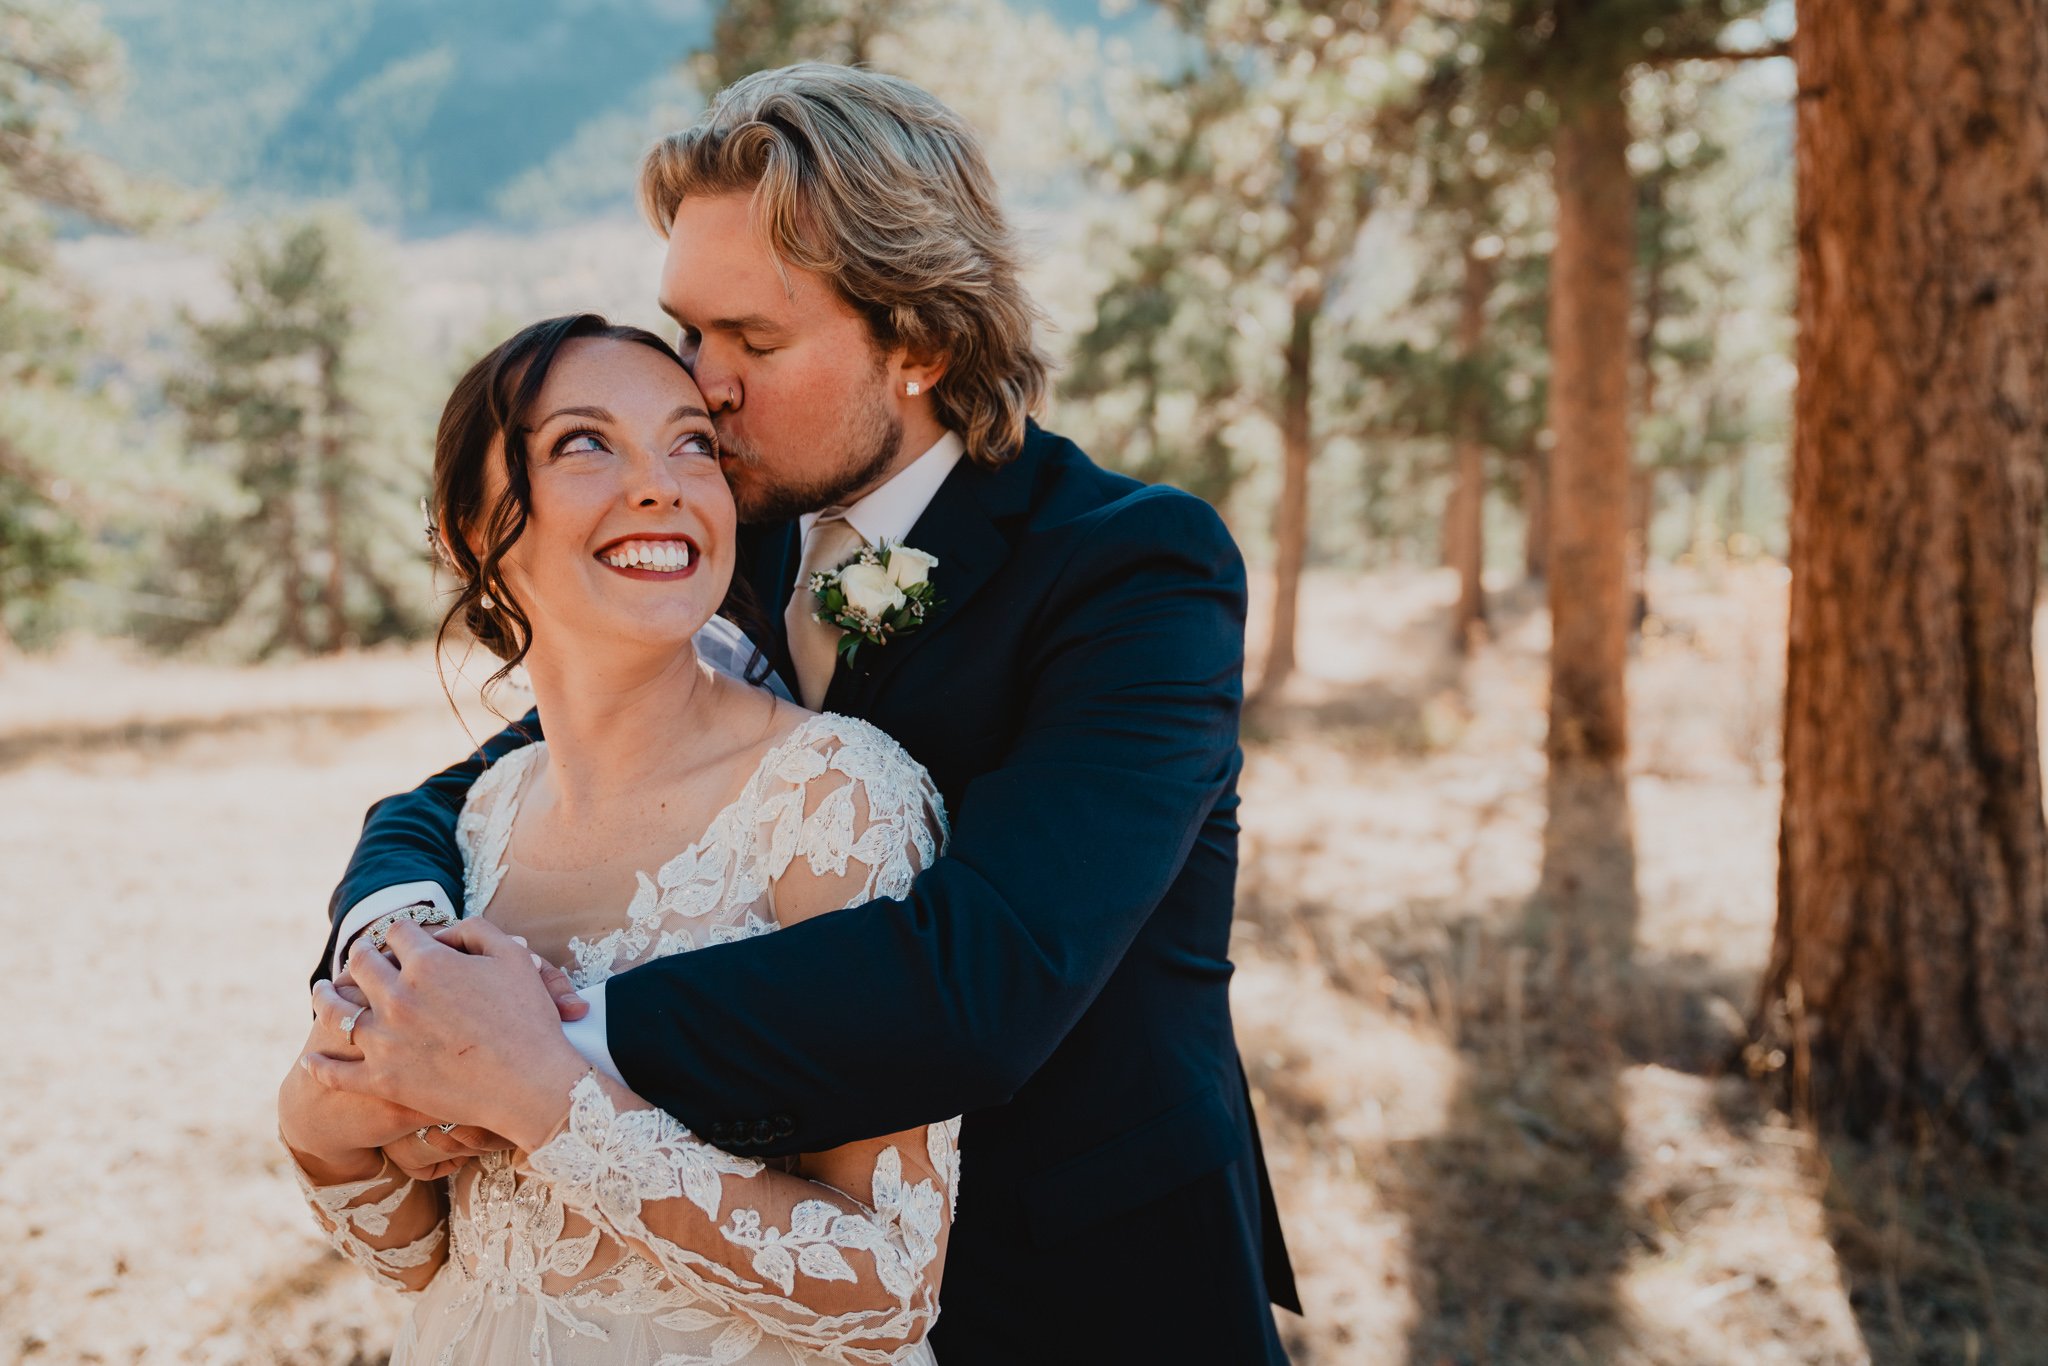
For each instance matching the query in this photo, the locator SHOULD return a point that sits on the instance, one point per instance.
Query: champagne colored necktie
(813, 644)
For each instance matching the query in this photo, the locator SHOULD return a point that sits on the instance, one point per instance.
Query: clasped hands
(460, 1025)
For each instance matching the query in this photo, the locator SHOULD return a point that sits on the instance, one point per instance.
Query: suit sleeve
(411, 837)
(1057, 859)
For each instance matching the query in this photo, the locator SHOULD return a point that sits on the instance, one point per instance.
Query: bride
(671, 806)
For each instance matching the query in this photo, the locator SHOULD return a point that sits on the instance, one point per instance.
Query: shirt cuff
(381, 903)
(588, 1035)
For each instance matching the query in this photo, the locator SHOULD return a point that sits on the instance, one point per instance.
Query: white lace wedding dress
(558, 1256)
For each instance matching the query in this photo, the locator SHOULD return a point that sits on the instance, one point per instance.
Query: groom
(1061, 976)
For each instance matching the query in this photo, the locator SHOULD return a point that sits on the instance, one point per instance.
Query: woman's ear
(446, 544)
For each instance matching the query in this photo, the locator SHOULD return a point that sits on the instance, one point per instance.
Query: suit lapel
(767, 563)
(965, 527)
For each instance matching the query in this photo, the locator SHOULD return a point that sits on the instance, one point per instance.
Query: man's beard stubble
(872, 444)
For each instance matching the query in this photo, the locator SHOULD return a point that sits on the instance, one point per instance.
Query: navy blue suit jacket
(1060, 976)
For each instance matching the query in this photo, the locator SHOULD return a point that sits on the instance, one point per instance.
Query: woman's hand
(460, 1023)
(428, 1154)
(336, 1134)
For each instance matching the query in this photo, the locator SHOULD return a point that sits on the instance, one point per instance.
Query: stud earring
(911, 388)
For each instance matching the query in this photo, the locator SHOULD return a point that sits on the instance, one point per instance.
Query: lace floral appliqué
(555, 1252)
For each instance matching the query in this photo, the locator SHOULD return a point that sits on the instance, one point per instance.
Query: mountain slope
(429, 115)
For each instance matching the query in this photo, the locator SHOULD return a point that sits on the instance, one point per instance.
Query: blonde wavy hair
(872, 183)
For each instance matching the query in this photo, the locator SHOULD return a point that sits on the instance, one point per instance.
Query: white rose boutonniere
(908, 568)
(882, 593)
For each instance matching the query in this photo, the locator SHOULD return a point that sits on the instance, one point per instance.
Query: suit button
(764, 1131)
(721, 1132)
(784, 1126)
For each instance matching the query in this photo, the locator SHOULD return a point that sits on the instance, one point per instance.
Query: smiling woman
(670, 807)
(631, 465)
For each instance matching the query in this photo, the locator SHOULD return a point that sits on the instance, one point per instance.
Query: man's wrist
(380, 903)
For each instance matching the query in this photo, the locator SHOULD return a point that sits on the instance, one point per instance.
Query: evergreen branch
(1672, 56)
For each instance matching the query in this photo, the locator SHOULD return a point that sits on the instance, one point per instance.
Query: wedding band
(348, 1026)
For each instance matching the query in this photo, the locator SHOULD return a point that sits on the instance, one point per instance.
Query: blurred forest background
(1634, 411)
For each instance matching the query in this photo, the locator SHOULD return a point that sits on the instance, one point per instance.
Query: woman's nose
(654, 483)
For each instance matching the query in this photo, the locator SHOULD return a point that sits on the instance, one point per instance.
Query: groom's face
(801, 394)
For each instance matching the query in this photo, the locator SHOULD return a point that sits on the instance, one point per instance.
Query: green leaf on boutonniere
(876, 606)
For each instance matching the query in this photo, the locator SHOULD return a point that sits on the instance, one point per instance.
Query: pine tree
(1467, 379)
(758, 35)
(304, 395)
(1567, 61)
(54, 60)
(1909, 977)
(1252, 176)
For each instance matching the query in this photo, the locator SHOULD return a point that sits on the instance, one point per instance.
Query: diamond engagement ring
(421, 1132)
(348, 1026)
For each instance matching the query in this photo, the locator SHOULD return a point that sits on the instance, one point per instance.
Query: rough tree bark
(1465, 531)
(1910, 968)
(1591, 269)
(1297, 435)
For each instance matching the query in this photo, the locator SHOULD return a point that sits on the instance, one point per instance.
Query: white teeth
(665, 556)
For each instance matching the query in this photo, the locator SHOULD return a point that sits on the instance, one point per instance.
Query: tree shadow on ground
(1516, 1225)
(1944, 1257)
(1400, 711)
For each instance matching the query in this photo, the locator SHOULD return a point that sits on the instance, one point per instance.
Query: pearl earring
(911, 388)
(488, 603)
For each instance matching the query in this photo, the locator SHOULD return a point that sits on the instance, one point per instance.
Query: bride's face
(629, 534)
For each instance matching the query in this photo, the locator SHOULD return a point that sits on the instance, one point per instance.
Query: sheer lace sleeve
(841, 1257)
(389, 1225)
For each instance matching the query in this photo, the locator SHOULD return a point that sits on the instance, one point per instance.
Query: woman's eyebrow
(595, 414)
(687, 410)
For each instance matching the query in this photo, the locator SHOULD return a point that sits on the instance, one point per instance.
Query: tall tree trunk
(1536, 514)
(1466, 529)
(334, 590)
(1735, 508)
(1910, 968)
(1590, 461)
(1642, 507)
(333, 430)
(1453, 553)
(291, 625)
(1290, 516)
(1643, 488)
(1297, 449)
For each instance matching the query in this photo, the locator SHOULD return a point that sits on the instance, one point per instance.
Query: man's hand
(459, 1022)
(568, 1004)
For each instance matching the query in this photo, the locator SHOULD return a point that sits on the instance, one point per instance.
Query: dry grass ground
(1489, 1041)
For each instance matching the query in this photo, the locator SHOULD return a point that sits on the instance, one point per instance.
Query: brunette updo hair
(491, 401)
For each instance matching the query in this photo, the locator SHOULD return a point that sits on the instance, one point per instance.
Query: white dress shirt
(885, 514)
(889, 512)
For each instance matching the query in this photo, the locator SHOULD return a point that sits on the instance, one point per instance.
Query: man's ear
(924, 369)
